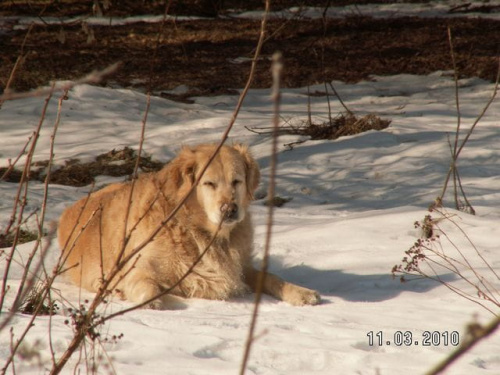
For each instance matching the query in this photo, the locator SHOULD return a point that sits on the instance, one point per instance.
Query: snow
(425, 9)
(350, 220)
(428, 9)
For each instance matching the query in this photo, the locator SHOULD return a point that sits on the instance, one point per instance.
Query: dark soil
(7, 240)
(201, 53)
(75, 173)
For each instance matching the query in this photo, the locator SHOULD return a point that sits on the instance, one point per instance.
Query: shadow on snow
(355, 287)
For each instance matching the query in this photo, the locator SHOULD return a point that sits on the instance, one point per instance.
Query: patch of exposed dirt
(7, 240)
(206, 54)
(75, 173)
(114, 163)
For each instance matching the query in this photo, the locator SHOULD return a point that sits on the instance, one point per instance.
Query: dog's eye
(236, 183)
(210, 184)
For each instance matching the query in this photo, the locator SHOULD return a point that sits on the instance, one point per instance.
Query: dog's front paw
(299, 296)
(167, 302)
(157, 304)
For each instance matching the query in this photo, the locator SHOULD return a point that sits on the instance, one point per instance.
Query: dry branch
(21, 198)
(19, 62)
(94, 77)
(458, 146)
(276, 70)
(475, 334)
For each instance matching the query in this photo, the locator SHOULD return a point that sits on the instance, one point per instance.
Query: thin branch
(457, 98)
(330, 120)
(127, 235)
(309, 117)
(157, 45)
(27, 266)
(458, 146)
(276, 69)
(483, 112)
(28, 326)
(340, 99)
(23, 182)
(27, 283)
(19, 62)
(12, 165)
(473, 246)
(476, 334)
(94, 77)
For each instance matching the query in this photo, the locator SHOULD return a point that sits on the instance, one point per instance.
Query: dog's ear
(183, 168)
(252, 168)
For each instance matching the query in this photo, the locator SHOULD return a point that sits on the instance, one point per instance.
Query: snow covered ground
(431, 9)
(354, 202)
(446, 8)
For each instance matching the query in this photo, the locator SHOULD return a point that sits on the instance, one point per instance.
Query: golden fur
(91, 232)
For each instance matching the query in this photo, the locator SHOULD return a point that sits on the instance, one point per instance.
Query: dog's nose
(230, 211)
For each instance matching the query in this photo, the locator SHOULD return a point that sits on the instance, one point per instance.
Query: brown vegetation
(75, 173)
(202, 53)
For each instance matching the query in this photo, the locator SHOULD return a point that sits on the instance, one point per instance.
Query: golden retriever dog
(113, 223)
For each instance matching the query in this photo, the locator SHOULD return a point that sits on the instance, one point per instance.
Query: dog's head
(227, 186)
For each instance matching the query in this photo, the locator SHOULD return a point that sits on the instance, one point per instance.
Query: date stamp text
(408, 338)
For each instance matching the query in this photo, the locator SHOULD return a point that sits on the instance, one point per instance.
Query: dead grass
(37, 301)
(342, 125)
(201, 53)
(345, 123)
(7, 240)
(114, 163)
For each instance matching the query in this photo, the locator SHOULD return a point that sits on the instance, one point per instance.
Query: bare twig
(19, 156)
(309, 118)
(330, 120)
(277, 68)
(27, 281)
(28, 326)
(92, 78)
(476, 333)
(340, 99)
(126, 234)
(154, 59)
(457, 145)
(483, 112)
(27, 266)
(19, 62)
(22, 183)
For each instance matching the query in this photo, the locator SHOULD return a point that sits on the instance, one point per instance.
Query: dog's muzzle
(229, 212)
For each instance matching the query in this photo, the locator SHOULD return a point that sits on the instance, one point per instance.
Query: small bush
(37, 300)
